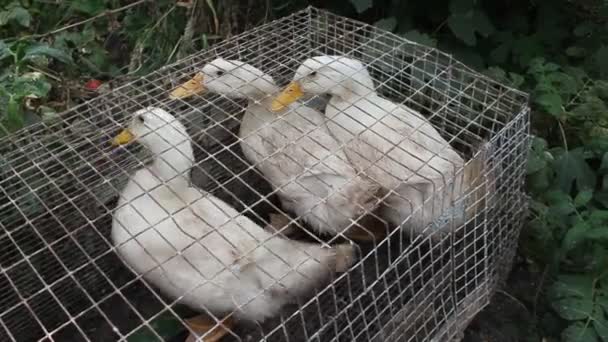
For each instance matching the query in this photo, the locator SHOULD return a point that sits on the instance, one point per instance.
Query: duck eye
(313, 74)
(220, 73)
(140, 118)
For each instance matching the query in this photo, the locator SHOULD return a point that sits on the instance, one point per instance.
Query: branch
(100, 15)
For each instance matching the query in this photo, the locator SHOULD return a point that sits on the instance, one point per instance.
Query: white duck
(196, 248)
(295, 152)
(393, 144)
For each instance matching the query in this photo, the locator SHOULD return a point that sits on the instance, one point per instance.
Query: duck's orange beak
(194, 86)
(288, 96)
(125, 137)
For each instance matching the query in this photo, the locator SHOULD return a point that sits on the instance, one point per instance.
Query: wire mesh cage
(96, 242)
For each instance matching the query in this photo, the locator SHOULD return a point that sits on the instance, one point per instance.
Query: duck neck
(173, 163)
(358, 86)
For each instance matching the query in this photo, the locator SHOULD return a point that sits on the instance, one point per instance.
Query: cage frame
(509, 135)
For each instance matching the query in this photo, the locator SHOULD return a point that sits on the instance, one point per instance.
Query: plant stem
(67, 27)
(561, 129)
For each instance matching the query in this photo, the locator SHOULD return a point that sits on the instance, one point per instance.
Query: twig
(507, 294)
(174, 49)
(584, 88)
(135, 61)
(563, 132)
(186, 37)
(436, 30)
(46, 73)
(67, 27)
(216, 21)
(139, 47)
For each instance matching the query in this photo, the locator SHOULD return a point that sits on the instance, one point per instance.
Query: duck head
(231, 78)
(334, 75)
(155, 128)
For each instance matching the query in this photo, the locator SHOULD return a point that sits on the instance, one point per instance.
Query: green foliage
(466, 20)
(132, 41)
(15, 14)
(17, 88)
(362, 5)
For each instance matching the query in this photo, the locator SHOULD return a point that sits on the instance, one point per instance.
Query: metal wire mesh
(63, 279)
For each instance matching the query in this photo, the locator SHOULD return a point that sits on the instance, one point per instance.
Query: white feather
(198, 249)
(393, 144)
(295, 151)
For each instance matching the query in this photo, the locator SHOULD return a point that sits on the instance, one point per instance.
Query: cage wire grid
(62, 278)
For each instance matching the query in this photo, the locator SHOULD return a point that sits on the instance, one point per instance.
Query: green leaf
(602, 197)
(482, 23)
(45, 50)
(97, 60)
(579, 332)
(13, 119)
(420, 38)
(602, 301)
(551, 103)
(22, 16)
(565, 83)
(539, 143)
(362, 5)
(571, 167)
(535, 164)
(47, 113)
(560, 204)
(461, 26)
(600, 324)
(539, 65)
(575, 235)
(540, 180)
(598, 217)
(459, 6)
(597, 264)
(4, 50)
(387, 24)
(496, 73)
(89, 7)
(17, 14)
(517, 80)
(511, 78)
(30, 84)
(572, 285)
(4, 17)
(537, 159)
(600, 59)
(465, 25)
(573, 308)
(597, 233)
(583, 197)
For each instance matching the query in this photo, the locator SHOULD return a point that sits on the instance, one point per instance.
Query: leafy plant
(47, 64)
(19, 87)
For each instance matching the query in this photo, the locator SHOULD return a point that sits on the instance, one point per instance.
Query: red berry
(92, 84)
